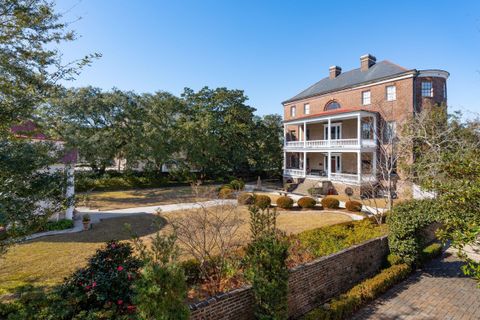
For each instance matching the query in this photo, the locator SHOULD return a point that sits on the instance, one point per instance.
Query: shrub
(393, 259)
(262, 201)
(285, 202)
(432, 251)
(58, 225)
(225, 193)
(192, 271)
(267, 269)
(406, 221)
(353, 206)
(245, 199)
(346, 304)
(330, 203)
(315, 192)
(237, 184)
(106, 283)
(306, 202)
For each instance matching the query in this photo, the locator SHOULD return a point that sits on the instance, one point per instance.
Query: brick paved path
(439, 291)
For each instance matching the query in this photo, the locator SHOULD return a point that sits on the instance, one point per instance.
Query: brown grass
(111, 200)
(380, 202)
(46, 261)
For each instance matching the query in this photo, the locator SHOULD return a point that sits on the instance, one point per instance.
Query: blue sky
(270, 49)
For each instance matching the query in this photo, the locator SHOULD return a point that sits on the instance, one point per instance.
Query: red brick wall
(438, 84)
(310, 285)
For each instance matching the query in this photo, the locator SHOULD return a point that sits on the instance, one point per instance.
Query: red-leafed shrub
(330, 203)
(285, 202)
(353, 206)
(306, 202)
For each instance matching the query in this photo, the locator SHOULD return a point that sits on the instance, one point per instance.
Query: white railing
(294, 144)
(293, 172)
(334, 143)
(347, 177)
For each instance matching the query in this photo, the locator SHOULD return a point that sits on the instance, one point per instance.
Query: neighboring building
(66, 164)
(332, 129)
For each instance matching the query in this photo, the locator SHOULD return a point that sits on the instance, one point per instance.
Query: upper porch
(343, 130)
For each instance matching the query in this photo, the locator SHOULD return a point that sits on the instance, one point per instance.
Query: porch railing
(335, 143)
(293, 172)
(334, 176)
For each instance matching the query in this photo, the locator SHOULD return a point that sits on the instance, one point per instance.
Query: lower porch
(349, 167)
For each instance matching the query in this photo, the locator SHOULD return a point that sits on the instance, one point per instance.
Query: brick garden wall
(310, 285)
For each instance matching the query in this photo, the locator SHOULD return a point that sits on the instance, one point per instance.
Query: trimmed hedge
(87, 182)
(406, 222)
(306, 202)
(285, 202)
(262, 201)
(346, 304)
(330, 203)
(245, 199)
(57, 225)
(353, 206)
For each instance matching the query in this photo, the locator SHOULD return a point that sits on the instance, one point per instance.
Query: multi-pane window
(427, 89)
(306, 108)
(293, 111)
(367, 130)
(391, 93)
(365, 97)
(444, 90)
(390, 131)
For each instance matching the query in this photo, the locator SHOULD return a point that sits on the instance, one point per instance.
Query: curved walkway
(439, 291)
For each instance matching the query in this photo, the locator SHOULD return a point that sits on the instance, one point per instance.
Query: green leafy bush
(353, 206)
(111, 181)
(330, 203)
(106, 283)
(432, 251)
(285, 202)
(306, 203)
(245, 199)
(393, 259)
(406, 222)
(57, 225)
(237, 184)
(191, 268)
(262, 201)
(327, 240)
(267, 270)
(346, 304)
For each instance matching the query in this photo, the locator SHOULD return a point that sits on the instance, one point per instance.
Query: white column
(284, 160)
(304, 134)
(359, 130)
(329, 159)
(359, 166)
(70, 191)
(375, 133)
(329, 133)
(304, 164)
(374, 164)
(284, 134)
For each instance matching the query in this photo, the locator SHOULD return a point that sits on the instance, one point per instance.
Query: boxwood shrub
(285, 202)
(245, 199)
(353, 206)
(225, 193)
(262, 201)
(330, 203)
(306, 202)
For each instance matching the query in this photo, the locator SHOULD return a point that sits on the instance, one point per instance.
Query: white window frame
(306, 108)
(293, 111)
(445, 90)
(391, 96)
(430, 90)
(335, 126)
(366, 100)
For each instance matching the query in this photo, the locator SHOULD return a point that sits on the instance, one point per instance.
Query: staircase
(302, 187)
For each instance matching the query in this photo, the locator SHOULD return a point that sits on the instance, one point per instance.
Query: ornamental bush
(346, 304)
(406, 222)
(245, 199)
(285, 202)
(106, 283)
(306, 202)
(237, 184)
(262, 201)
(330, 203)
(57, 225)
(225, 193)
(353, 206)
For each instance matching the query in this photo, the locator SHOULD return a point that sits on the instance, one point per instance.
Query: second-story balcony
(349, 130)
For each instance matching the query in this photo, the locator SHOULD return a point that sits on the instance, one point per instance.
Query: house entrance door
(334, 164)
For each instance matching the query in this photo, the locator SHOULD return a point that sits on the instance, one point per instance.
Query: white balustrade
(293, 172)
(294, 144)
(346, 177)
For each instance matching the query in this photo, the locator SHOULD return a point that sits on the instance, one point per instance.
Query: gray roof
(382, 69)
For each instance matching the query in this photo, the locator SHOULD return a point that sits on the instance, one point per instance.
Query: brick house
(333, 129)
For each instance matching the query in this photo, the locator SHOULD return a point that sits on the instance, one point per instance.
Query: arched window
(332, 105)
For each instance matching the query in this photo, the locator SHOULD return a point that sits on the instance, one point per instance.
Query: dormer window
(293, 111)
(306, 108)
(332, 105)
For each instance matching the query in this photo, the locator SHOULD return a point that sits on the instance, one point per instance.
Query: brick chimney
(335, 71)
(366, 61)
